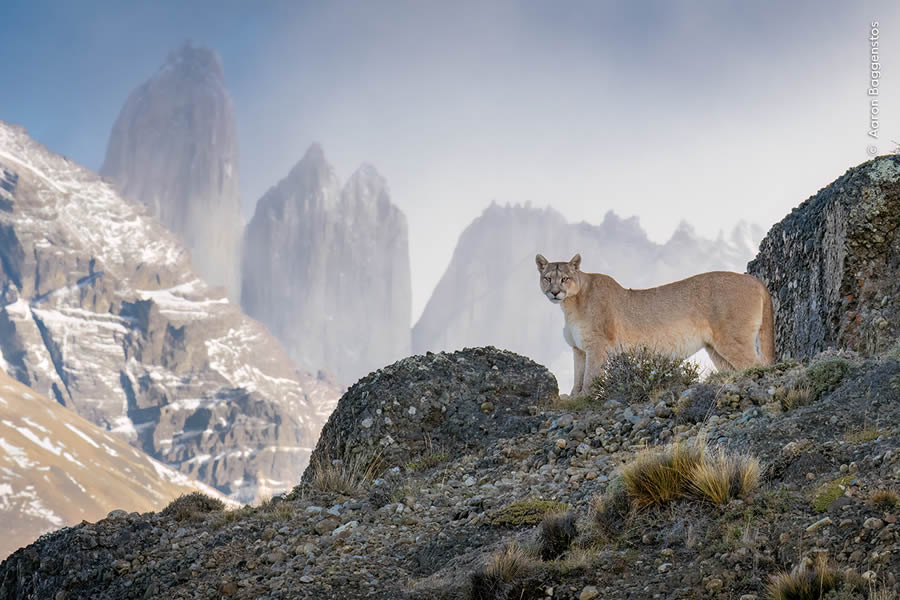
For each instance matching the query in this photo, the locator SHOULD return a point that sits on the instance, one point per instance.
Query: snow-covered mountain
(490, 293)
(58, 469)
(174, 148)
(327, 269)
(101, 310)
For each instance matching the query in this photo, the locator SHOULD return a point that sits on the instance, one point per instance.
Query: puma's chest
(573, 335)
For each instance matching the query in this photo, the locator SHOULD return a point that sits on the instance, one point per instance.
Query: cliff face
(327, 269)
(490, 293)
(102, 312)
(174, 148)
(833, 265)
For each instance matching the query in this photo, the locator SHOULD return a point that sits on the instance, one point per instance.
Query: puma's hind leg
(717, 359)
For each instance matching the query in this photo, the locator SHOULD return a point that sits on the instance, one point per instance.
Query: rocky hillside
(57, 469)
(446, 495)
(491, 286)
(102, 312)
(326, 268)
(834, 264)
(174, 148)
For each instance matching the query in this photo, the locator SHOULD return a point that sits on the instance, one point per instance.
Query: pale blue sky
(704, 111)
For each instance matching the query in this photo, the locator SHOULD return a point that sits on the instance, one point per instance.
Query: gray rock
(831, 265)
(174, 148)
(448, 394)
(324, 265)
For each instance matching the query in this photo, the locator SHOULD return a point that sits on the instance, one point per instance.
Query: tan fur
(728, 314)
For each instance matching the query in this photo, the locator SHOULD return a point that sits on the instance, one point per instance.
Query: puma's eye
(565, 279)
(547, 279)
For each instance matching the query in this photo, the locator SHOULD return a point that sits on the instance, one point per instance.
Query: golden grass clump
(347, 477)
(657, 477)
(502, 571)
(885, 499)
(809, 581)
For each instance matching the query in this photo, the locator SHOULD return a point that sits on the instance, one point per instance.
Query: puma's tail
(767, 331)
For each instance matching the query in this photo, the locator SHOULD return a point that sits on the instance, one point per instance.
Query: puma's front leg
(595, 362)
(578, 387)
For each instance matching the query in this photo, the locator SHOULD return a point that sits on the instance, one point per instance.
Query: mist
(706, 112)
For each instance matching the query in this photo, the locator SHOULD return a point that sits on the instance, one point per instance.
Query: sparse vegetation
(526, 513)
(885, 499)
(641, 374)
(557, 533)
(657, 477)
(428, 461)
(190, 505)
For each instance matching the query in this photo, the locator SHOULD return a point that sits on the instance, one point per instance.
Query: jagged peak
(195, 60)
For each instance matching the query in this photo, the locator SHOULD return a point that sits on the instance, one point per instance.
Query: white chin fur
(555, 300)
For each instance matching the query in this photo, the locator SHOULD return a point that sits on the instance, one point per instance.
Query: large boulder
(833, 265)
(445, 402)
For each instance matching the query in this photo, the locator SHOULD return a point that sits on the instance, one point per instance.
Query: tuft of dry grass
(806, 582)
(347, 477)
(657, 477)
(719, 477)
(797, 396)
(501, 571)
(556, 535)
(885, 499)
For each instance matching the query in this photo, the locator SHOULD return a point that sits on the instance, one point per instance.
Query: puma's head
(559, 280)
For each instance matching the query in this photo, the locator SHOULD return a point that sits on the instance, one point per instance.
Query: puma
(728, 314)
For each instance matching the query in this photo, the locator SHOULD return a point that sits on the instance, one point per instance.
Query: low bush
(642, 374)
(526, 513)
(190, 505)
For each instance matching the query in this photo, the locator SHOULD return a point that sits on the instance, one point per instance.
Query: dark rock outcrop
(445, 402)
(174, 148)
(101, 311)
(833, 265)
(328, 269)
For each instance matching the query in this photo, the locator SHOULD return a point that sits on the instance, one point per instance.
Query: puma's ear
(575, 262)
(541, 262)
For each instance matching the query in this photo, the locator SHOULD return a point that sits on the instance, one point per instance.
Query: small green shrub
(557, 533)
(641, 374)
(829, 492)
(189, 505)
(824, 376)
(526, 513)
